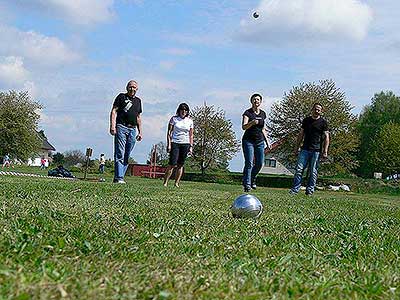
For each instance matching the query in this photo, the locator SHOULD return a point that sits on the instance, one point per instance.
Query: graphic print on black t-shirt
(128, 109)
(254, 133)
(313, 132)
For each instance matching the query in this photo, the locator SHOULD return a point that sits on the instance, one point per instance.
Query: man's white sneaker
(120, 181)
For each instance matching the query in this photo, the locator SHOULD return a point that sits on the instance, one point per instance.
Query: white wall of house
(35, 161)
(274, 167)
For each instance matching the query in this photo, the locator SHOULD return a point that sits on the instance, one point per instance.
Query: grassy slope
(86, 240)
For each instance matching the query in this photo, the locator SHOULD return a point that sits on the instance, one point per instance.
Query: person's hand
(325, 155)
(296, 151)
(113, 131)
(168, 148)
(255, 122)
(139, 137)
(191, 150)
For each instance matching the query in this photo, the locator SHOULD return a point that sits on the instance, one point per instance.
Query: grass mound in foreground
(83, 240)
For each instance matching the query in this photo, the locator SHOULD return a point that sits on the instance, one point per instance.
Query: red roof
(274, 146)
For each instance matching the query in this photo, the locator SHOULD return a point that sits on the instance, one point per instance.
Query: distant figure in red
(42, 163)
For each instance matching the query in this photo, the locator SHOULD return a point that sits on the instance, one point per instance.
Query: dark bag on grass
(60, 171)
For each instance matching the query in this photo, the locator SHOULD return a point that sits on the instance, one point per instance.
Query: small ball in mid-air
(255, 15)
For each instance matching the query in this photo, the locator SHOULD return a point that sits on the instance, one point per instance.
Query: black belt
(128, 125)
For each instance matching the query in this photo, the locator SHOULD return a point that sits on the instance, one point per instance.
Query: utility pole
(89, 152)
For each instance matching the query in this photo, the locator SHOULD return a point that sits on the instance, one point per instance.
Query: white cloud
(31, 88)
(283, 22)
(235, 101)
(196, 38)
(167, 64)
(82, 12)
(157, 89)
(155, 126)
(12, 71)
(57, 122)
(35, 47)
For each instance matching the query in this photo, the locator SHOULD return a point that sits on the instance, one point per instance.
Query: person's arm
(169, 136)
(265, 134)
(191, 140)
(113, 118)
(246, 124)
(299, 139)
(326, 144)
(139, 125)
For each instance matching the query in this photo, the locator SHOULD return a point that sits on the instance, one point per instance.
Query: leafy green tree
(58, 159)
(284, 124)
(214, 142)
(384, 109)
(386, 157)
(18, 125)
(74, 157)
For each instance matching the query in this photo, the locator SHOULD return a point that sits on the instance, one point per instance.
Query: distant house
(272, 165)
(43, 153)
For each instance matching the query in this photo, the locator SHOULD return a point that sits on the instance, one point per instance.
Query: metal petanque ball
(246, 206)
(255, 15)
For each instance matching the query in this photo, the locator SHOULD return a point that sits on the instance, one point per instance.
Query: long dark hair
(183, 106)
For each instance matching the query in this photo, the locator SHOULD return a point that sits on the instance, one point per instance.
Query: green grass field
(90, 240)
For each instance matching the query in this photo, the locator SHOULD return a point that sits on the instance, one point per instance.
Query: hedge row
(358, 185)
(235, 178)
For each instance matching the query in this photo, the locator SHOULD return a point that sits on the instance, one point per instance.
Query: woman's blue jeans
(253, 153)
(310, 158)
(124, 141)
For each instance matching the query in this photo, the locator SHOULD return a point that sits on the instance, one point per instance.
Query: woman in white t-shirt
(179, 142)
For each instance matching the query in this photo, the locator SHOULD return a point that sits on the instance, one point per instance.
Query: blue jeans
(253, 161)
(124, 141)
(310, 158)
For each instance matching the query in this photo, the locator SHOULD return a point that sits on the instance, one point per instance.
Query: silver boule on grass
(246, 206)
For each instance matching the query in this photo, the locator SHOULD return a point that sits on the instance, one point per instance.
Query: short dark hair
(130, 82)
(255, 95)
(317, 103)
(183, 106)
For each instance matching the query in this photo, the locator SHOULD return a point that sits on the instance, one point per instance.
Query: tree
(58, 159)
(284, 123)
(214, 142)
(386, 157)
(162, 154)
(18, 125)
(74, 157)
(384, 109)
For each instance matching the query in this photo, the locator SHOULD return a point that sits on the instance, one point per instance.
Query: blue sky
(74, 57)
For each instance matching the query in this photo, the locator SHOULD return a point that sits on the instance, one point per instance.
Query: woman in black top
(253, 123)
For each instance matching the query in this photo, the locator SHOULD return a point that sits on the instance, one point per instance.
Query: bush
(357, 185)
(236, 178)
(364, 186)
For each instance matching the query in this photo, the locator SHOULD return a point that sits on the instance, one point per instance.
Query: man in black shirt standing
(126, 127)
(315, 137)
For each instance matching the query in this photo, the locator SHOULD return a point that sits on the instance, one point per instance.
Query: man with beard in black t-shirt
(315, 137)
(126, 127)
